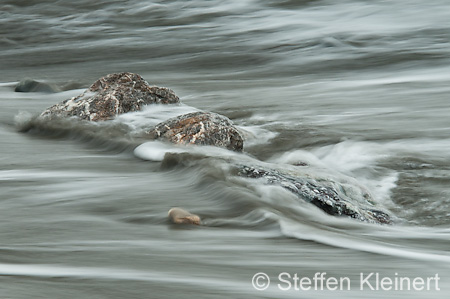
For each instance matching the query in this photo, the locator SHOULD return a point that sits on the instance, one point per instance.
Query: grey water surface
(358, 91)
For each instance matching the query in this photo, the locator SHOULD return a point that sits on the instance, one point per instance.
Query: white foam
(156, 150)
(349, 156)
(361, 159)
(256, 135)
(352, 163)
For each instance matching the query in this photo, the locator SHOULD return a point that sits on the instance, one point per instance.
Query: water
(358, 90)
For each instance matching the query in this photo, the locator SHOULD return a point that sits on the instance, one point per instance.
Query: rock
(29, 85)
(112, 95)
(201, 128)
(324, 197)
(180, 216)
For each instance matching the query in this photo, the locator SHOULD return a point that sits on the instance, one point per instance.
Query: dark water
(357, 89)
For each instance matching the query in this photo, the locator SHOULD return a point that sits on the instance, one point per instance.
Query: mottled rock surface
(324, 197)
(201, 128)
(112, 95)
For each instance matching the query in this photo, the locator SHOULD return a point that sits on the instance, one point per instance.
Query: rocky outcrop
(324, 197)
(201, 128)
(112, 95)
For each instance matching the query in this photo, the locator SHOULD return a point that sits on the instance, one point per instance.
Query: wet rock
(112, 95)
(201, 128)
(300, 164)
(30, 85)
(324, 197)
(180, 216)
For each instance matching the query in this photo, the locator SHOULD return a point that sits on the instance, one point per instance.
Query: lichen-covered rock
(112, 95)
(201, 128)
(324, 197)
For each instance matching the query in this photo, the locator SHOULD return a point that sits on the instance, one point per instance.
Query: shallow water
(356, 90)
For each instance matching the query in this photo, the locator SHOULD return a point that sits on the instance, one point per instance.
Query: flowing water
(356, 90)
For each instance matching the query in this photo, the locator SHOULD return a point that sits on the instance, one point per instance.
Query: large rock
(324, 197)
(201, 128)
(112, 95)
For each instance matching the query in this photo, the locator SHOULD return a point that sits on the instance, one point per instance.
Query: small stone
(180, 216)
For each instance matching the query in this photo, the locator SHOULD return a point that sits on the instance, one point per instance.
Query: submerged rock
(30, 85)
(180, 216)
(112, 95)
(324, 197)
(202, 128)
